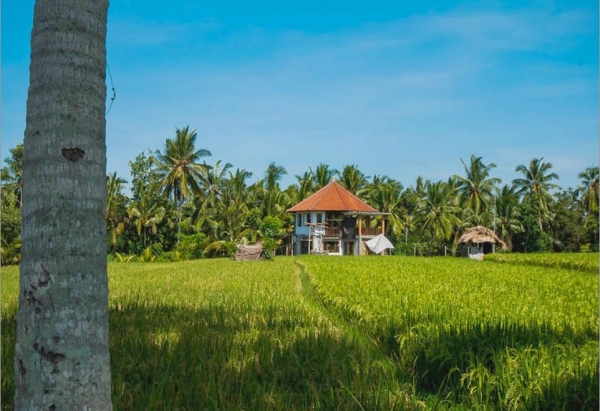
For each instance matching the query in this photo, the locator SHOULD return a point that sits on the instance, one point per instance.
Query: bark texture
(62, 360)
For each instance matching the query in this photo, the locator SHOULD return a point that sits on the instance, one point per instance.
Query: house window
(299, 220)
(307, 218)
(319, 218)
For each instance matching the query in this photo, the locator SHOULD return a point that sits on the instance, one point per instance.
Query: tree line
(181, 207)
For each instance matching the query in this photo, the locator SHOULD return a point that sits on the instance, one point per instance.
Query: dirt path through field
(351, 329)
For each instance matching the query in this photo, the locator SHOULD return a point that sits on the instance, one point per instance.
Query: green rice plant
(8, 328)
(550, 377)
(221, 334)
(571, 261)
(345, 333)
(448, 323)
(244, 338)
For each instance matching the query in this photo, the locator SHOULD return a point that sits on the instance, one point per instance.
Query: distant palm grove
(181, 206)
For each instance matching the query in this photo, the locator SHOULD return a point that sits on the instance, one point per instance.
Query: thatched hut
(247, 252)
(480, 240)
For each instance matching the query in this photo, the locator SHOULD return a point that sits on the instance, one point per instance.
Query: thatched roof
(479, 235)
(247, 252)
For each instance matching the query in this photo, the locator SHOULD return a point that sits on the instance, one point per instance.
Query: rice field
(502, 335)
(351, 333)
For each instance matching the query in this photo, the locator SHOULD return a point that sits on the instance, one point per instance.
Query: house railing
(370, 231)
(336, 231)
(332, 232)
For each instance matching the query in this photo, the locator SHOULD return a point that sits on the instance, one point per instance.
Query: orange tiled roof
(332, 197)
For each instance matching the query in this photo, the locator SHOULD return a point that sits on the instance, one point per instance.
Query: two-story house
(333, 221)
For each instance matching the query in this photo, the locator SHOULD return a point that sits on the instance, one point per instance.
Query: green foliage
(529, 216)
(10, 195)
(220, 249)
(191, 247)
(12, 174)
(10, 235)
(147, 256)
(592, 233)
(269, 248)
(476, 187)
(122, 258)
(271, 231)
(532, 239)
(144, 181)
(271, 227)
(253, 219)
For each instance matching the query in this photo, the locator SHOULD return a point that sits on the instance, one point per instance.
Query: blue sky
(402, 89)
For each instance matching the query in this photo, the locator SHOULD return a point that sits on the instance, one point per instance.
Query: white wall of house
(302, 230)
(302, 219)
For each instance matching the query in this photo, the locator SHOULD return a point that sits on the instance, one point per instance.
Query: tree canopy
(175, 196)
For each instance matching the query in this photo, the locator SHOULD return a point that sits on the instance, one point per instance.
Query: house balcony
(335, 232)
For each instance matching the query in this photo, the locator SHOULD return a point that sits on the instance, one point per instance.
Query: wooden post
(359, 235)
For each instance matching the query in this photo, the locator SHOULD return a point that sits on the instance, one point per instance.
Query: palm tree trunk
(178, 221)
(62, 359)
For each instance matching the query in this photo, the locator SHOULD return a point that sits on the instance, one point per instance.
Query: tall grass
(505, 336)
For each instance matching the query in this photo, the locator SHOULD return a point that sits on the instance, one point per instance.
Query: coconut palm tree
(476, 187)
(232, 214)
(273, 175)
(273, 201)
(233, 206)
(146, 214)
(420, 187)
(507, 218)
(209, 202)
(115, 207)
(179, 170)
(589, 189)
(383, 193)
(61, 353)
(437, 212)
(12, 174)
(535, 186)
(323, 175)
(237, 185)
(353, 179)
(212, 182)
(304, 188)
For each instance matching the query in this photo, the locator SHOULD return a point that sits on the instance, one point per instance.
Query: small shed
(480, 240)
(247, 252)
